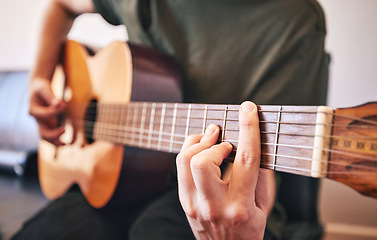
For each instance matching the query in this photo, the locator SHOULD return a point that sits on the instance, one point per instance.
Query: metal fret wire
(151, 124)
(173, 127)
(206, 109)
(137, 105)
(277, 135)
(271, 132)
(161, 126)
(176, 150)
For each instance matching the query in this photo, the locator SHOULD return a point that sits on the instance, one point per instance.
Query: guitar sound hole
(89, 120)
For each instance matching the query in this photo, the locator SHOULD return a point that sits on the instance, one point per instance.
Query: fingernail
(210, 130)
(247, 106)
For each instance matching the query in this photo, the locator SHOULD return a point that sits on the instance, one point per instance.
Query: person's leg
(71, 217)
(163, 219)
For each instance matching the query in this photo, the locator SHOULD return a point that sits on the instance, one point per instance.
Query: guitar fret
(106, 121)
(205, 118)
(224, 123)
(173, 127)
(151, 124)
(161, 126)
(109, 119)
(188, 120)
(103, 123)
(142, 123)
(134, 133)
(127, 120)
(122, 122)
(118, 115)
(277, 137)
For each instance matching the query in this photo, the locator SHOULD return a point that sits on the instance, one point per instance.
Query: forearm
(44, 106)
(57, 22)
(56, 25)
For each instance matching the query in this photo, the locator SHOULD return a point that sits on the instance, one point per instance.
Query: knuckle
(182, 158)
(246, 158)
(191, 211)
(236, 214)
(199, 163)
(209, 213)
(246, 122)
(204, 212)
(212, 216)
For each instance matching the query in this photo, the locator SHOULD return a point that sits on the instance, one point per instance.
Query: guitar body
(107, 173)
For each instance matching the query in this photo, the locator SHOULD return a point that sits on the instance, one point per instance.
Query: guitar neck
(294, 139)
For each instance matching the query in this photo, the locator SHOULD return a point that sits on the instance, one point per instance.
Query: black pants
(71, 217)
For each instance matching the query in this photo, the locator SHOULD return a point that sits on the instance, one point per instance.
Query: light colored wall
(20, 22)
(352, 43)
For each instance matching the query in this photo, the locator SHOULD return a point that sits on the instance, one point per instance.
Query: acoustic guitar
(124, 125)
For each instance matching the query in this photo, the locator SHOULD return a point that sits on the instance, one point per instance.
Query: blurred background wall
(351, 41)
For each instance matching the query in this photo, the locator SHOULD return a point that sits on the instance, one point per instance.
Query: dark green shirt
(266, 51)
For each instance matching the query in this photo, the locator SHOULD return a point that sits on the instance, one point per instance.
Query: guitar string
(120, 126)
(275, 122)
(353, 136)
(301, 169)
(95, 106)
(229, 129)
(283, 123)
(115, 127)
(135, 104)
(115, 138)
(365, 168)
(348, 137)
(236, 130)
(182, 136)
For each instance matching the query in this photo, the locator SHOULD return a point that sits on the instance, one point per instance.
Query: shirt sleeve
(105, 8)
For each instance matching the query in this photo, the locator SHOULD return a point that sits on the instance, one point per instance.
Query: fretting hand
(236, 208)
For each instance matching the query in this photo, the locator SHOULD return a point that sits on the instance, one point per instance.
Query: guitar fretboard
(294, 139)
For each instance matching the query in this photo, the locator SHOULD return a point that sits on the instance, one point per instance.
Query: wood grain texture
(111, 76)
(353, 158)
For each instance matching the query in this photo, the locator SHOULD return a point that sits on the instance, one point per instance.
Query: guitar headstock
(353, 153)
